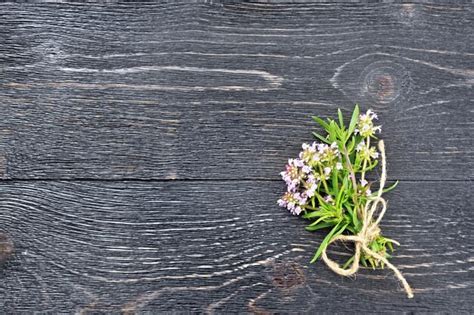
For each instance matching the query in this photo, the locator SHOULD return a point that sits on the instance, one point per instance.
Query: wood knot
(6, 247)
(383, 82)
(408, 14)
(288, 275)
(49, 51)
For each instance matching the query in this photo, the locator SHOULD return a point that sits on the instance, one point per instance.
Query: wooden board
(153, 90)
(140, 146)
(220, 246)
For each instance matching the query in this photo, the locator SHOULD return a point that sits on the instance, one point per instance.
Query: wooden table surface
(140, 146)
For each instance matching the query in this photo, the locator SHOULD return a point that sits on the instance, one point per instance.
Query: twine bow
(370, 230)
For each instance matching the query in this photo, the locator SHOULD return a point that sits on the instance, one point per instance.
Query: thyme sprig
(328, 185)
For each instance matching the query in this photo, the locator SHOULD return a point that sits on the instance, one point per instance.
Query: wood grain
(225, 91)
(140, 145)
(219, 247)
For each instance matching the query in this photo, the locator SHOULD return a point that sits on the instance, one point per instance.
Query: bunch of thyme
(327, 185)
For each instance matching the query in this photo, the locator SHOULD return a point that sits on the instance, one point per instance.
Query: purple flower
(301, 198)
(294, 173)
(297, 210)
(322, 147)
(291, 186)
(328, 198)
(298, 163)
(293, 201)
(306, 169)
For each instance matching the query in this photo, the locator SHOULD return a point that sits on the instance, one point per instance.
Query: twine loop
(370, 230)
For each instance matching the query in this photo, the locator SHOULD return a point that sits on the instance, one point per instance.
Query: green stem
(323, 179)
(352, 175)
(365, 160)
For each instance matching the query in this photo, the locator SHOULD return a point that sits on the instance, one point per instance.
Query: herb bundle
(327, 185)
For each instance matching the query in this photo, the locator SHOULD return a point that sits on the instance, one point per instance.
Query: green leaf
(319, 220)
(335, 183)
(355, 218)
(341, 120)
(351, 145)
(333, 131)
(348, 262)
(354, 118)
(390, 245)
(320, 199)
(345, 181)
(334, 232)
(372, 263)
(323, 124)
(339, 195)
(370, 167)
(319, 226)
(351, 229)
(375, 246)
(312, 214)
(321, 138)
(390, 187)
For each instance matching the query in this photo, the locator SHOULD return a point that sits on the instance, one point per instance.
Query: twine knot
(369, 232)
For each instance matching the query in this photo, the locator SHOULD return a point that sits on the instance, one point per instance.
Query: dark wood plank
(218, 246)
(219, 91)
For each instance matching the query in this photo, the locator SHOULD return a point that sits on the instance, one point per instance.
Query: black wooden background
(140, 146)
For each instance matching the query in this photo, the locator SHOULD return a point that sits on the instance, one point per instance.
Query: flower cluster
(366, 126)
(310, 173)
(366, 152)
(303, 175)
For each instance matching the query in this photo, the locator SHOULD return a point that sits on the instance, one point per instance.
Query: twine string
(370, 230)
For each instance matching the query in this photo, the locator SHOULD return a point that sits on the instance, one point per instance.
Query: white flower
(371, 114)
(363, 182)
(338, 166)
(306, 169)
(316, 158)
(366, 126)
(327, 171)
(310, 192)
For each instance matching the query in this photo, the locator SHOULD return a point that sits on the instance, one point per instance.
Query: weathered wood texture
(103, 106)
(152, 91)
(224, 247)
